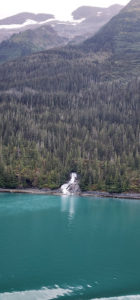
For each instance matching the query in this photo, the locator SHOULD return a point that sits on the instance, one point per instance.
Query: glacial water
(68, 247)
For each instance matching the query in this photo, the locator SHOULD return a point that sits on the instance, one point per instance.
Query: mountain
(85, 22)
(23, 33)
(22, 22)
(22, 17)
(121, 35)
(120, 40)
(99, 14)
(30, 41)
(73, 109)
(88, 20)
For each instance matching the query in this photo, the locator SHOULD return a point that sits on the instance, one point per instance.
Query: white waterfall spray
(72, 187)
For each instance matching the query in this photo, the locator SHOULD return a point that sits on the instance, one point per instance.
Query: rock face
(72, 187)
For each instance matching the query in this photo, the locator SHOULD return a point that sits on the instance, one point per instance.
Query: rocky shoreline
(130, 195)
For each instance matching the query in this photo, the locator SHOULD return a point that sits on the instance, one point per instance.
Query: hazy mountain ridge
(88, 12)
(30, 41)
(94, 19)
(22, 17)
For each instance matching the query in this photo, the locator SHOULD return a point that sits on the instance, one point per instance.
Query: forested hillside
(30, 41)
(66, 110)
(121, 35)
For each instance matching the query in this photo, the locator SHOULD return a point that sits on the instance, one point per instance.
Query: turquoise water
(54, 247)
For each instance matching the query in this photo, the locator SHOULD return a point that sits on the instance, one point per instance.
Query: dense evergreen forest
(58, 114)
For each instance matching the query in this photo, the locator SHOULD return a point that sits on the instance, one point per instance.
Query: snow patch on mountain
(26, 23)
(75, 22)
(99, 13)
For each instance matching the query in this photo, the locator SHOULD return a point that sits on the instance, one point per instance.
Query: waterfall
(72, 187)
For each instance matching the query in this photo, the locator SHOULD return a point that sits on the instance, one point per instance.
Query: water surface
(54, 247)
